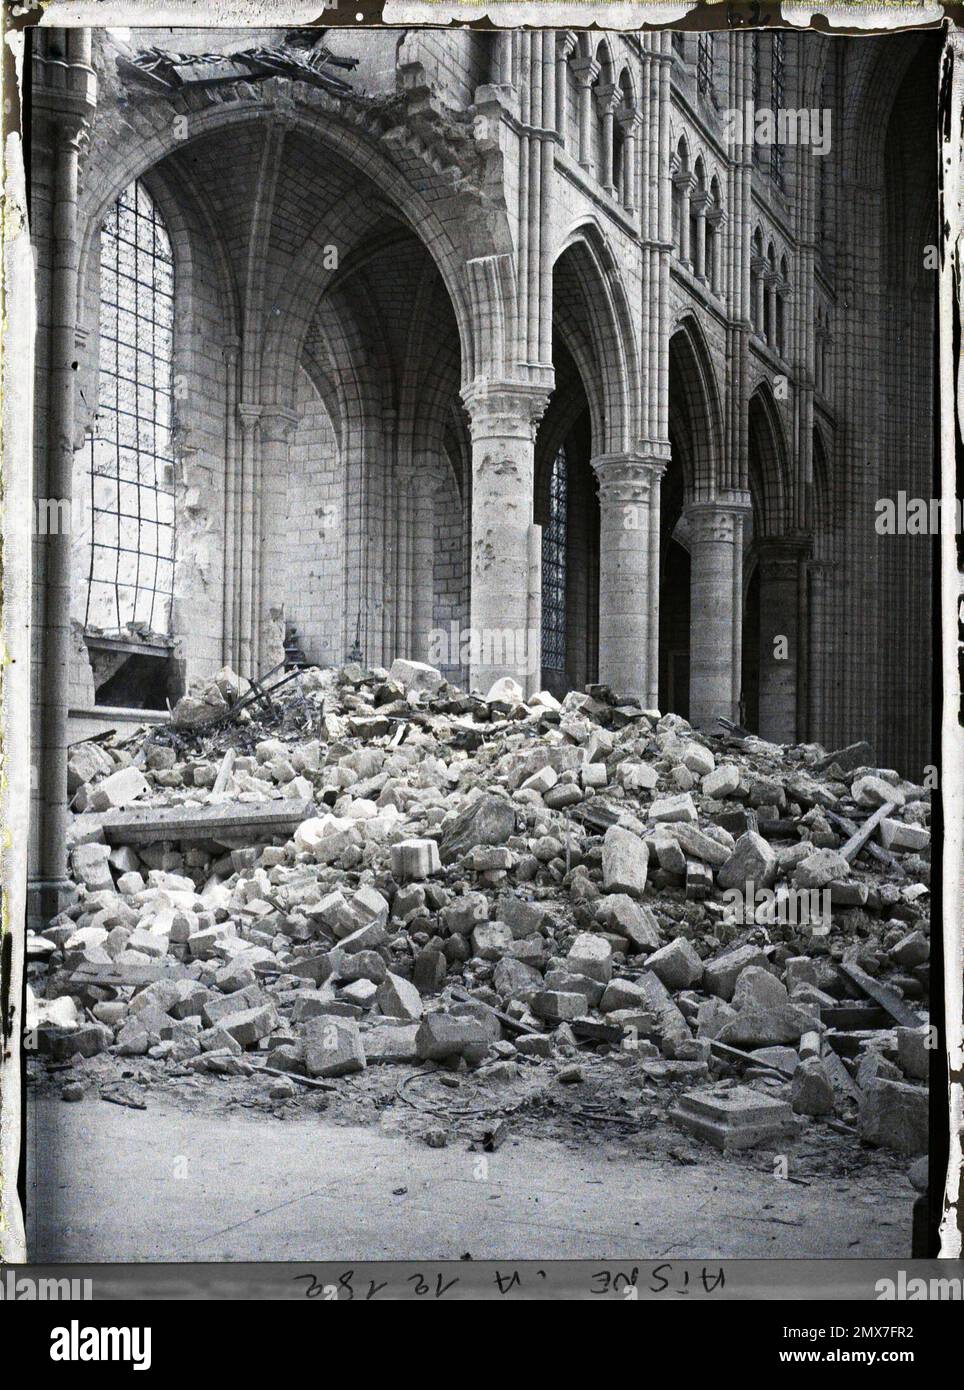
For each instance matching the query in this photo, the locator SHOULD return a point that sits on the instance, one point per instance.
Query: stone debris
(381, 868)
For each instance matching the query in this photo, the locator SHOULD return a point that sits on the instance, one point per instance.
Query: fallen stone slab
(233, 824)
(732, 1118)
(759, 1025)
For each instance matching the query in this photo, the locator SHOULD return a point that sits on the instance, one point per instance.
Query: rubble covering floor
(485, 925)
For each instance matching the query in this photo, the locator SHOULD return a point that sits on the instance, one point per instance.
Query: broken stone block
(618, 913)
(445, 1035)
(464, 914)
(624, 994)
(672, 1026)
(752, 861)
(913, 949)
(673, 808)
(390, 1042)
(731, 1117)
(118, 790)
(362, 993)
(669, 851)
(591, 955)
(542, 781)
(699, 880)
(875, 791)
(756, 985)
(430, 971)
(249, 1026)
(697, 844)
(758, 1025)
(366, 908)
(524, 917)
(711, 1015)
(514, 979)
(333, 1047)
(398, 998)
(894, 1115)
(415, 675)
(811, 1090)
(491, 940)
(636, 777)
(873, 1066)
(913, 1052)
(677, 965)
(367, 938)
(697, 759)
(490, 820)
(894, 834)
(558, 1006)
(625, 861)
(721, 782)
(415, 859)
(87, 761)
(60, 1044)
(722, 972)
(89, 866)
(821, 868)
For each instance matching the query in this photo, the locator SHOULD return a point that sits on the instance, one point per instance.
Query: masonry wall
(314, 531)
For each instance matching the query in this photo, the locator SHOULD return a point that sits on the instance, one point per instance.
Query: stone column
(770, 327)
(64, 97)
(503, 418)
(717, 219)
(700, 202)
(586, 71)
(629, 122)
(565, 44)
(427, 479)
(779, 559)
(606, 97)
(249, 416)
(759, 267)
(716, 563)
(628, 571)
(684, 183)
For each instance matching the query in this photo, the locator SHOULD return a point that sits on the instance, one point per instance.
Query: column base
(46, 897)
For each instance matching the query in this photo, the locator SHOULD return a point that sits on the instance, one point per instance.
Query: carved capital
(586, 71)
(504, 410)
(627, 479)
(714, 521)
(277, 423)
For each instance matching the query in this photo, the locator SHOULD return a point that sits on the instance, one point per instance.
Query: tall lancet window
(554, 569)
(131, 579)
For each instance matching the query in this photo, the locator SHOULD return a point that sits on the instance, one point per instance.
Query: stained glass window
(131, 577)
(554, 570)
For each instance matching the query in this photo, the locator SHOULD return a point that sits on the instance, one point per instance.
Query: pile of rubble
(372, 866)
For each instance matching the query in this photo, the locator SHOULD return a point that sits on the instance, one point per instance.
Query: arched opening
(693, 430)
(772, 579)
(322, 362)
(566, 495)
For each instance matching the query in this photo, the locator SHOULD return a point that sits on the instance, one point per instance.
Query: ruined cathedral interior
(494, 349)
